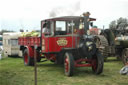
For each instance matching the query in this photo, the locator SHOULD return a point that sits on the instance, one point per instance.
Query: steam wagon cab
(65, 40)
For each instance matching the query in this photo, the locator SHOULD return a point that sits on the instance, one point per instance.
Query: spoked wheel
(68, 64)
(25, 58)
(28, 61)
(97, 63)
(125, 56)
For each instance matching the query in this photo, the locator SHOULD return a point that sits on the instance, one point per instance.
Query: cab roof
(64, 18)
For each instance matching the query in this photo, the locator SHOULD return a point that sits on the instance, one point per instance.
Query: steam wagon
(64, 40)
(115, 43)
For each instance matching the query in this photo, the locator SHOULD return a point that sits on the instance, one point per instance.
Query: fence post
(35, 65)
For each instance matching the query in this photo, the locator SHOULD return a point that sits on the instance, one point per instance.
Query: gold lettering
(62, 42)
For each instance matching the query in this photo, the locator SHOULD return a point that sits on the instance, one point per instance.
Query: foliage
(119, 24)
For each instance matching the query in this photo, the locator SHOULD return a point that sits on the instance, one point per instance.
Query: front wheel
(125, 56)
(97, 63)
(68, 64)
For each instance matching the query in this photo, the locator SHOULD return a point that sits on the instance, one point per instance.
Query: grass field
(13, 72)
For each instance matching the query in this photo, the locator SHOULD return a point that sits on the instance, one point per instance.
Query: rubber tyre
(68, 64)
(28, 61)
(97, 63)
(125, 56)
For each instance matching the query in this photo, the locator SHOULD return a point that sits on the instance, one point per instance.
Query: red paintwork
(83, 65)
(26, 58)
(50, 56)
(80, 31)
(50, 43)
(78, 63)
(94, 64)
(29, 41)
(30, 51)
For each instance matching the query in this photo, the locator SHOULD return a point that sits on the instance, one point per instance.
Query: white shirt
(45, 30)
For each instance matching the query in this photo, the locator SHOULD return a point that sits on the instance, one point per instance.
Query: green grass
(13, 72)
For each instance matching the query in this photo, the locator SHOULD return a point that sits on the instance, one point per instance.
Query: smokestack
(86, 21)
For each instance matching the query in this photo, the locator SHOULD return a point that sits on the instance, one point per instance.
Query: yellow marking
(62, 42)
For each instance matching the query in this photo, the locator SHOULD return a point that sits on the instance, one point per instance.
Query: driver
(45, 28)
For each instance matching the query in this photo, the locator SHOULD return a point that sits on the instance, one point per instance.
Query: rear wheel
(101, 41)
(97, 63)
(125, 56)
(28, 61)
(68, 64)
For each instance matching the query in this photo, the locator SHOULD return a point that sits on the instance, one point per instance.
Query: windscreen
(60, 25)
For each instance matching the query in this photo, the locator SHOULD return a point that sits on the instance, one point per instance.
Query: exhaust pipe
(86, 21)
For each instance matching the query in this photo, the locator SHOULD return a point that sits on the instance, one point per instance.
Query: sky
(27, 14)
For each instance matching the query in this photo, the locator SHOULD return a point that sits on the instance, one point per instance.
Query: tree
(113, 25)
(122, 23)
(119, 24)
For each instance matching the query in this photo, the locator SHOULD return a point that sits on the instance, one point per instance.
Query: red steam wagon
(64, 40)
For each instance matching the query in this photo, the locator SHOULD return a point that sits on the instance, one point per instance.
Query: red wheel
(94, 64)
(125, 56)
(68, 64)
(25, 58)
(28, 61)
(97, 63)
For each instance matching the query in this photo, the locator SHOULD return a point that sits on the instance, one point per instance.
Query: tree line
(119, 24)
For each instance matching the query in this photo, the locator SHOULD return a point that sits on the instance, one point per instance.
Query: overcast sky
(27, 14)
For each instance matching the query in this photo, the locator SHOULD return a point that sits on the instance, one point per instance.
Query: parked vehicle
(10, 44)
(118, 44)
(64, 40)
(115, 43)
(1, 38)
